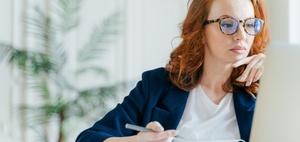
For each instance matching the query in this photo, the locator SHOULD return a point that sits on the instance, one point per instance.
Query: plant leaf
(101, 35)
(68, 11)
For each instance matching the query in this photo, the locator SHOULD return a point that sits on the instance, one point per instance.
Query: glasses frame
(239, 21)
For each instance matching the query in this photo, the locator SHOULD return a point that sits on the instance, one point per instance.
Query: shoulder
(157, 72)
(158, 75)
(156, 81)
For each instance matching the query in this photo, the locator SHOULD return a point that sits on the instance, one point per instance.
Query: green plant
(47, 73)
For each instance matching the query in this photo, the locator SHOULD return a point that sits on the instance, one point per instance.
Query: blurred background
(65, 63)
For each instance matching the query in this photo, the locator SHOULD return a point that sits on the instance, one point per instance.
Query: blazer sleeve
(131, 110)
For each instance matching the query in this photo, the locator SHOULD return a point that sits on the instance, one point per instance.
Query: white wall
(294, 21)
(284, 20)
(5, 94)
(151, 26)
(10, 28)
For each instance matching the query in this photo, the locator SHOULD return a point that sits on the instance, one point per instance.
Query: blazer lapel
(244, 105)
(171, 107)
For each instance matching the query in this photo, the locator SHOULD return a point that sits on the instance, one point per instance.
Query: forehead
(240, 9)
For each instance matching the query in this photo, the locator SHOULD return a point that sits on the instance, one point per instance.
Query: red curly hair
(186, 61)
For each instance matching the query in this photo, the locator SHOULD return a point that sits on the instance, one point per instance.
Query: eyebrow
(225, 15)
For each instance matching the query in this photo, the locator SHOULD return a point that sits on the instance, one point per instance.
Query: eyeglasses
(230, 25)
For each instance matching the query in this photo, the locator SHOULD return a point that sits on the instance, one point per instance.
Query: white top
(204, 120)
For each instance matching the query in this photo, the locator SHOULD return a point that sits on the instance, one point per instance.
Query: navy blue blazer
(155, 98)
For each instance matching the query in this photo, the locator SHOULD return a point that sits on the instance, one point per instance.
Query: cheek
(214, 36)
(250, 41)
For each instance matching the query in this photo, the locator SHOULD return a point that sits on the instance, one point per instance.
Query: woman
(207, 90)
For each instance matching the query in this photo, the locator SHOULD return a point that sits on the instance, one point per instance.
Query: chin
(239, 57)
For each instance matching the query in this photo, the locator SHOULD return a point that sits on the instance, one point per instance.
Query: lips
(238, 49)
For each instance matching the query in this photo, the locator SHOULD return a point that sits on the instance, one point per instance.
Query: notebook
(277, 111)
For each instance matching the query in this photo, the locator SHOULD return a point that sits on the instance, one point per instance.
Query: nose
(240, 34)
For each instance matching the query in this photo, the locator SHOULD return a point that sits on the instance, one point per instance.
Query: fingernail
(170, 139)
(255, 79)
(241, 79)
(248, 83)
(174, 133)
(160, 129)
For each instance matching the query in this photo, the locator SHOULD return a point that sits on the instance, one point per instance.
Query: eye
(227, 25)
(250, 25)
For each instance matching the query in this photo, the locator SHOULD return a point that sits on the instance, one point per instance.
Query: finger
(257, 70)
(155, 126)
(251, 76)
(242, 61)
(258, 74)
(253, 66)
(157, 136)
(247, 60)
(165, 140)
(248, 73)
(253, 71)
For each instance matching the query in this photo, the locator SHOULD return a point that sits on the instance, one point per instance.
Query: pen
(137, 128)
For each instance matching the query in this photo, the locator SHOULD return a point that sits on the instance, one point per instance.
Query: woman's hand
(159, 135)
(254, 68)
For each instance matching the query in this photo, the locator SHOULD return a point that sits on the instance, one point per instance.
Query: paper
(182, 140)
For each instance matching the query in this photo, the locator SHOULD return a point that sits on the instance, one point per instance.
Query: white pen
(137, 128)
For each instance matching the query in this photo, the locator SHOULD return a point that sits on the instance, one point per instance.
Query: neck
(213, 77)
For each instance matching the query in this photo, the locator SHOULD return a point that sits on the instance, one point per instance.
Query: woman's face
(228, 48)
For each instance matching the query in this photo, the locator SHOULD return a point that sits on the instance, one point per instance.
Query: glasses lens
(229, 25)
(253, 26)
